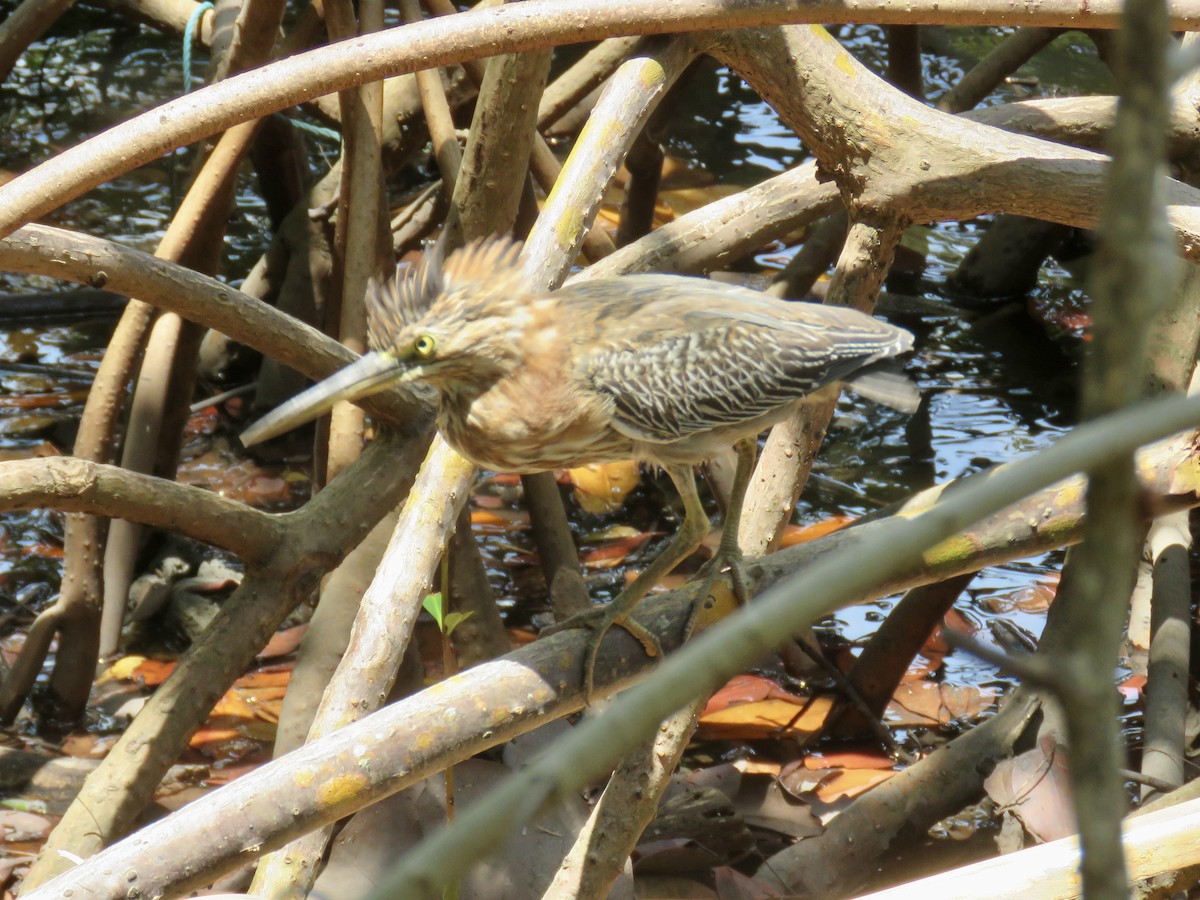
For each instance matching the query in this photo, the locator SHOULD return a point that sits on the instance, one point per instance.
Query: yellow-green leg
(687, 539)
(728, 554)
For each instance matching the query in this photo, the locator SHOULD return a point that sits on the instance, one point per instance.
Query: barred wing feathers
(728, 355)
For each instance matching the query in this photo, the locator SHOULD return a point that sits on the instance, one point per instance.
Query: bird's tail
(882, 384)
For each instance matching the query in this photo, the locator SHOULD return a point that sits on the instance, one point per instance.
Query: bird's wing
(690, 355)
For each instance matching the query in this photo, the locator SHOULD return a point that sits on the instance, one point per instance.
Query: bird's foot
(599, 620)
(717, 597)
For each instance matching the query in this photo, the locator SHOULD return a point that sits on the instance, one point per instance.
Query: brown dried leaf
(928, 703)
(284, 642)
(1035, 787)
(831, 785)
(613, 553)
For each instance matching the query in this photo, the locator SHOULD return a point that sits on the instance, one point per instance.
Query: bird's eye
(425, 345)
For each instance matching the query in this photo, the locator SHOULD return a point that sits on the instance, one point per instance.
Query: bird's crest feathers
(490, 267)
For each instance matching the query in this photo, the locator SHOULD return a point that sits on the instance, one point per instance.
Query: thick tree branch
(76, 485)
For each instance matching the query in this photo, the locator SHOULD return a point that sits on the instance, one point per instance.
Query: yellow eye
(425, 345)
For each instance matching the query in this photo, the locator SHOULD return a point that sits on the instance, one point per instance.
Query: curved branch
(42, 250)
(887, 151)
(633, 92)
(1001, 61)
(511, 28)
(1084, 121)
(24, 25)
(901, 543)
(78, 485)
(725, 230)
(172, 15)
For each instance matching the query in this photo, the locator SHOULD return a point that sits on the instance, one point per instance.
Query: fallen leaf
(146, 671)
(18, 826)
(935, 647)
(613, 553)
(832, 785)
(601, 488)
(764, 803)
(1035, 787)
(747, 688)
(85, 745)
(284, 642)
(1034, 598)
(771, 718)
(849, 759)
(122, 669)
(929, 703)
(43, 550)
(756, 765)
(800, 534)
(499, 519)
(1131, 688)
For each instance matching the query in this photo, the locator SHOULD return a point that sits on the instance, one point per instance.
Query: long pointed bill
(363, 377)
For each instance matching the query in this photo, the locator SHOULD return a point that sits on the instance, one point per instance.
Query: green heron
(665, 369)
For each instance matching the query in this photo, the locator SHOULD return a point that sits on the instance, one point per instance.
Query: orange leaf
(1035, 598)
(1131, 688)
(213, 735)
(150, 672)
(846, 784)
(766, 719)
(756, 765)
(506, 520)
(849, 759)
(273, 677)
(283, 642)
(43, 550)
(233, 705)
(613, 553)
(799, 534)
(602, 487)
(745, 689)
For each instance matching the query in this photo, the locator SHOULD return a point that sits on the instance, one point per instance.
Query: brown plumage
(662, 368)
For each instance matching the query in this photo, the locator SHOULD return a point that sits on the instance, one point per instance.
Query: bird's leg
(687, 539)
(728, 554)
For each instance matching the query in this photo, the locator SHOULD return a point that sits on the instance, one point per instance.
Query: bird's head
(455, 325)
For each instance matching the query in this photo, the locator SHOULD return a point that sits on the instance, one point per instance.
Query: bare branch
(77, 485)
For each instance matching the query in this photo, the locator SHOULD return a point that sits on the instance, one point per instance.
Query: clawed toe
(725, 561)
(599, 620)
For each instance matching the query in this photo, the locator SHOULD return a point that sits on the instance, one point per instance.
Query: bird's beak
(363, 377)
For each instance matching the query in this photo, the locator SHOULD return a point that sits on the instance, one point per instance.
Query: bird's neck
(460, 386)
